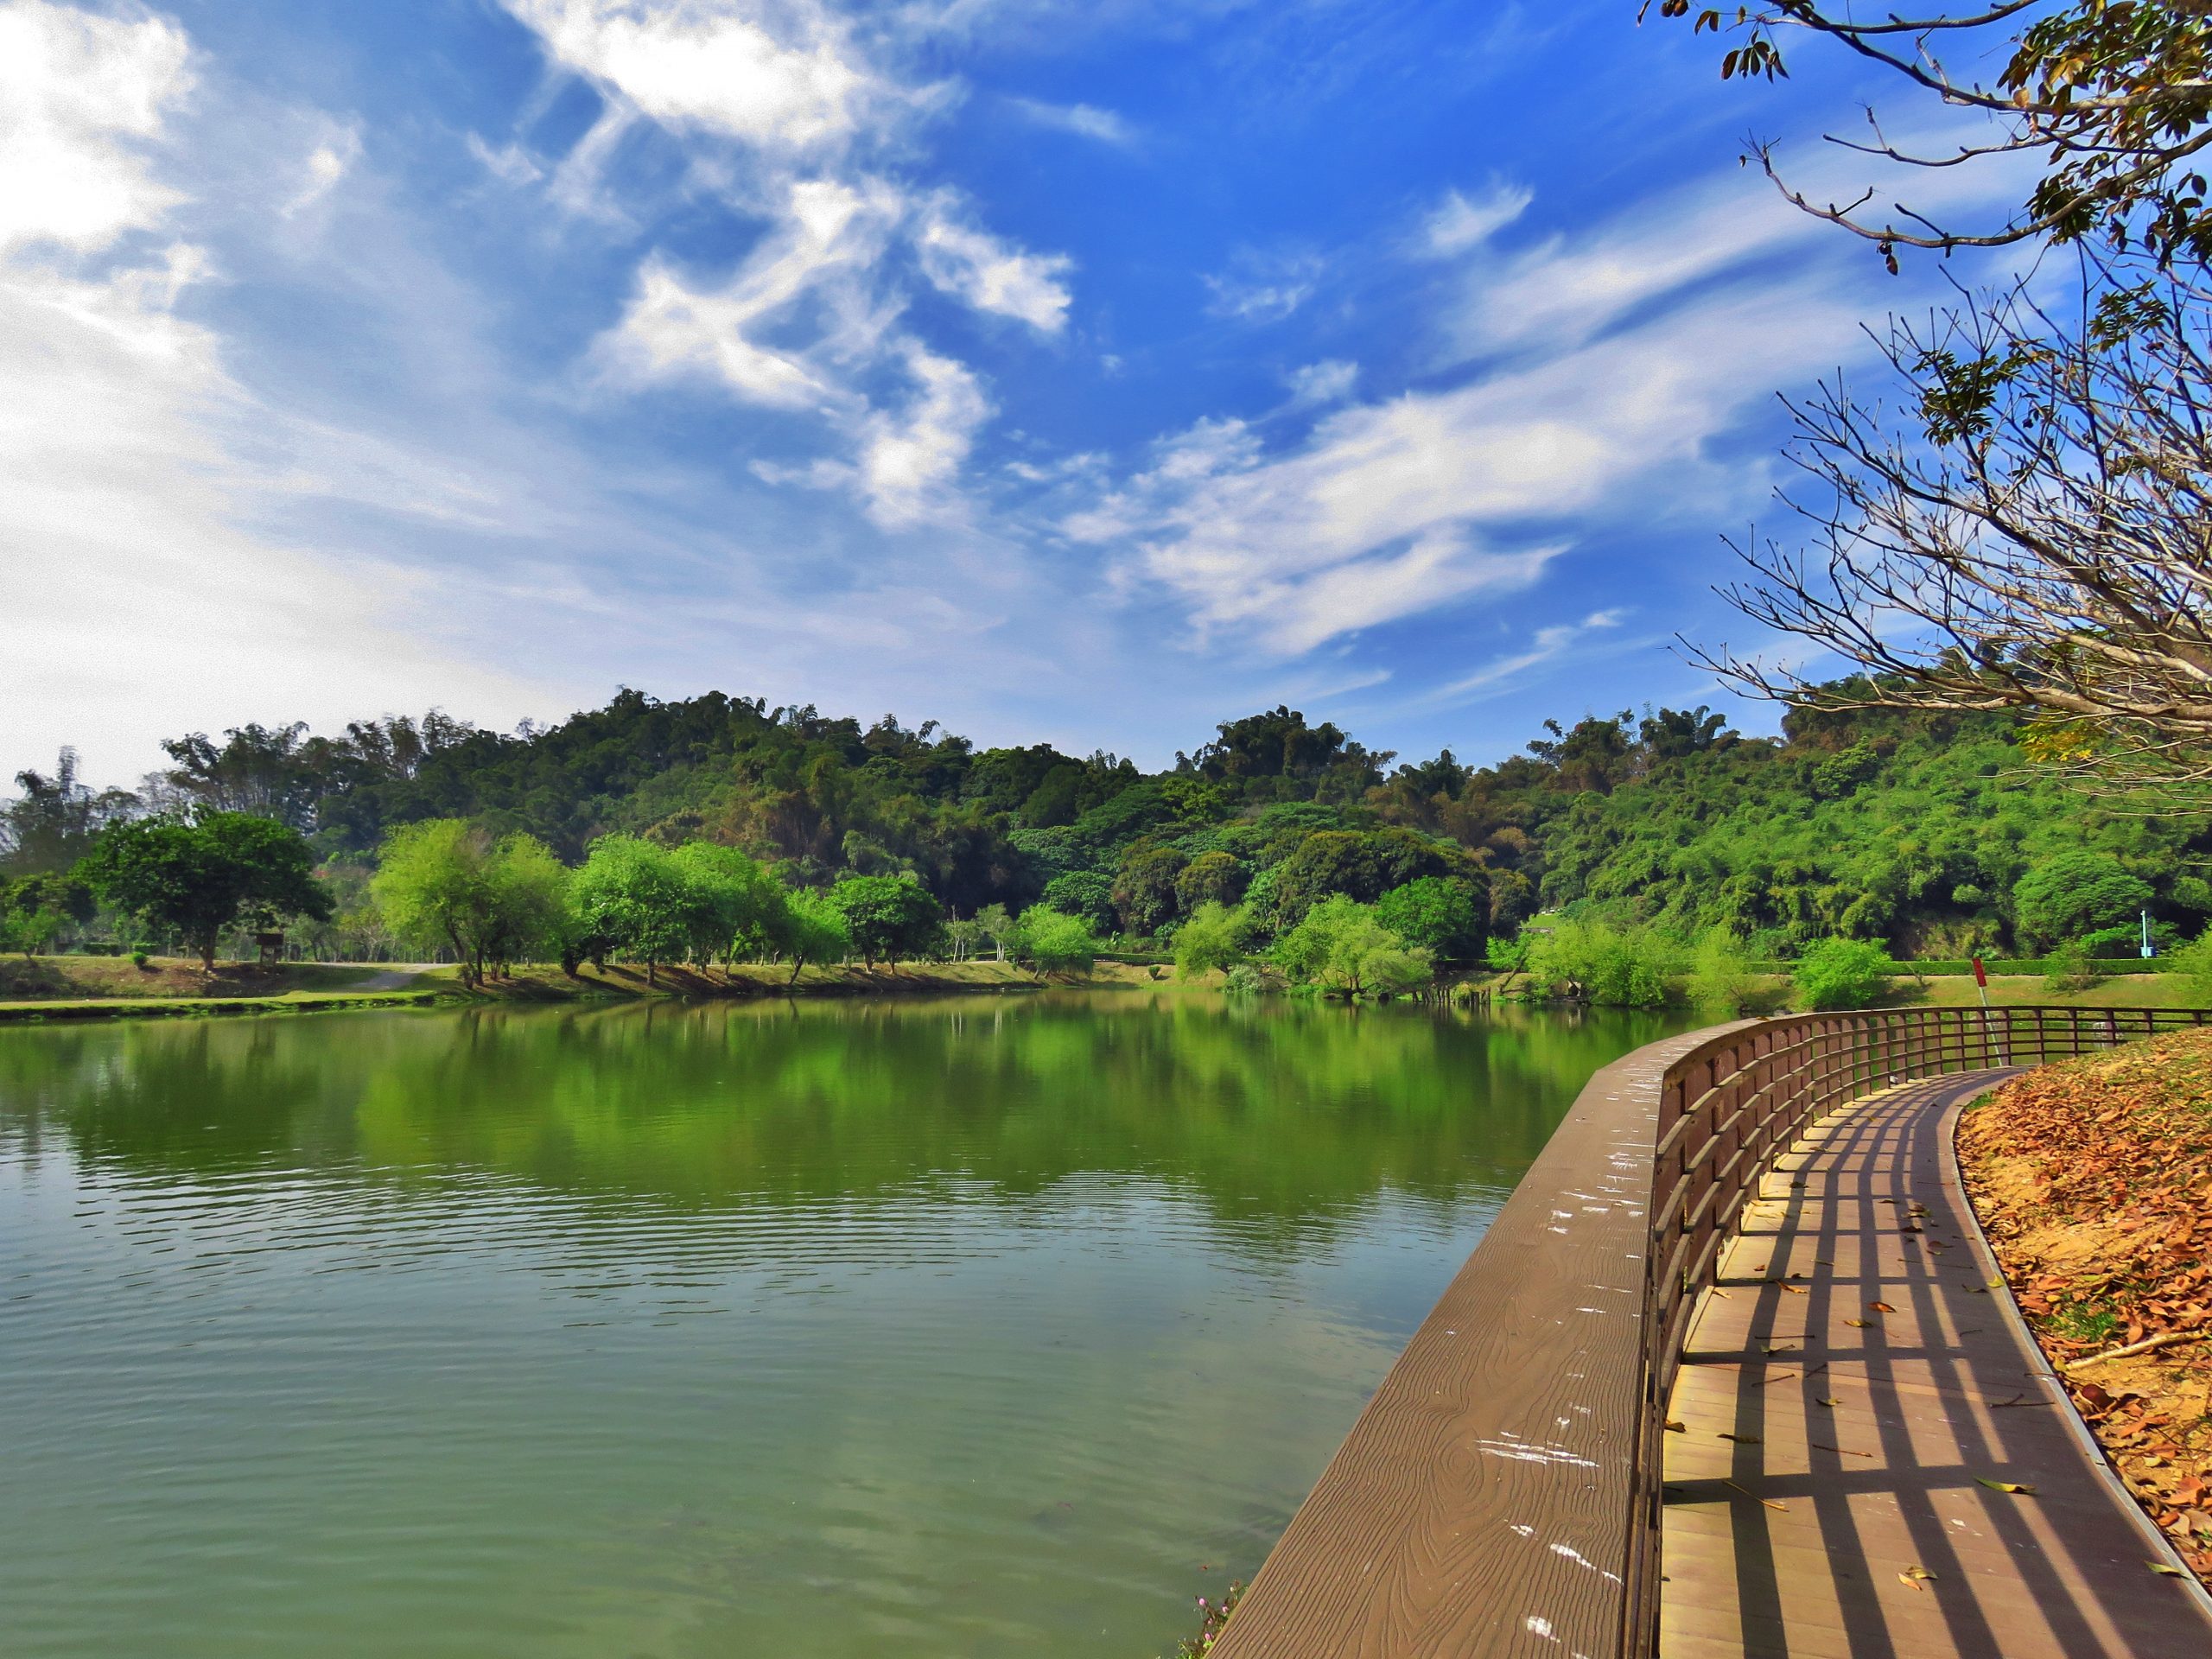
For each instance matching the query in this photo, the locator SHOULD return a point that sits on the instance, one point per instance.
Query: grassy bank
(2090, 1180)
(541, 983)
(90, 988)
(1773, 993)
(118, 979)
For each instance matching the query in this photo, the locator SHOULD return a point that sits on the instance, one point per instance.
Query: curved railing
(1500, 1492)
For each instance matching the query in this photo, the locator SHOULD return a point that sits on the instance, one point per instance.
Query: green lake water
(957, 1328)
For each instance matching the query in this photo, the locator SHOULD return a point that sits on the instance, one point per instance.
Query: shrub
(141, 957)
(1342, 948)
(1213, 937)
(1722, 976)
(1842, 974)
(2193, 962)
(1052, 942)
(1244, 979)
(1613, 967)
(2071, 968)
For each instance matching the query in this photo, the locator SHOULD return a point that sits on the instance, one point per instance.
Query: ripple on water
(924, 1331)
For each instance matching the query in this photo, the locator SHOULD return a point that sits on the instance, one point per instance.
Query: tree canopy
(202, 875)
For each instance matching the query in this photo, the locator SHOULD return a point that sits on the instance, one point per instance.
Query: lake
(959, 1328)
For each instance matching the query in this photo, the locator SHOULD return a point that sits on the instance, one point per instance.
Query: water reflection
(901, 1329)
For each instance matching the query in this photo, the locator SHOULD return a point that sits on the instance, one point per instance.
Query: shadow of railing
(1501, 1493)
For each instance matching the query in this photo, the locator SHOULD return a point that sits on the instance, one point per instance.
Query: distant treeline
(1935, 836)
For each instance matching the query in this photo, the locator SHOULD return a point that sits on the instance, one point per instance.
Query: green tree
(56, 819)
(2193, 964)
(637, 896)
(2105, 97)
(2079, 897)
(1052, 942)
(199, 876)
(1633, 967)
(1722, 977)
(1361, 865)
(998, 926)
(1212, 877)
(1446, 915)
(34, 910)
(1083, 893)
(739, 905)
(1843, 974)
(1144, 889)
(1212, 938)
(1343, 948)
(488, 899)
(888, 916)
(810, 929)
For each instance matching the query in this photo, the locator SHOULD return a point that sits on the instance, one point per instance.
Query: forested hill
(1907, 830)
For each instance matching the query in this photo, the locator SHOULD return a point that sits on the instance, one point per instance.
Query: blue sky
(1081, 371)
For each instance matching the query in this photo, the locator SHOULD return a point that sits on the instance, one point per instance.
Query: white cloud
(1317, 384)
(1265, 288)
(1545, 646)
(128, 558)
(978, 268)
(1390, 508)
(703, 63)
(1084, 120)
(81, 95)
(908, 460)
(1460, 223)
(829, 238)
(782, 115)
(327, 165)
(510, 163)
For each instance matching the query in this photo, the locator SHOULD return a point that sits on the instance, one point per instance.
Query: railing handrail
(1500, 1494)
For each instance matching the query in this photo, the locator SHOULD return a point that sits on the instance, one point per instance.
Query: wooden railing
(1500, 1492)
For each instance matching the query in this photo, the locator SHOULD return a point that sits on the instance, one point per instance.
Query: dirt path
(391, 979)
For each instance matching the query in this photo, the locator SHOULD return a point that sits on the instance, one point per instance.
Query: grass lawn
(2128, 991)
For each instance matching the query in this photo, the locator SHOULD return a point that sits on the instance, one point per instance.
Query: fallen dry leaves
(2094, 1182)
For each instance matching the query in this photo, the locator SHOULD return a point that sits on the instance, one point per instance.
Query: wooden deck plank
(1802, 1535)
(1480, 1505)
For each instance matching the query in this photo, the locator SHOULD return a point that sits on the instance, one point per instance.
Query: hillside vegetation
(1934, 837)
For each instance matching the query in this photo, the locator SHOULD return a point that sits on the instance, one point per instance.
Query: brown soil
(2093, 1181)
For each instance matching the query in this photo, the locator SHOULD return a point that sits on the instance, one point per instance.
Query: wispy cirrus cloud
(1265, 287)
(1546, 644)
(134, 467)
(1605, 402)
(1461, 223)
(1084, 120)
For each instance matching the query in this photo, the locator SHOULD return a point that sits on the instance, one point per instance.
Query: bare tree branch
(2115, 99)
(2031, 529)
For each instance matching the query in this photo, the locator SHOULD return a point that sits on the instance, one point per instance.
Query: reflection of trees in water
(1276, 1112)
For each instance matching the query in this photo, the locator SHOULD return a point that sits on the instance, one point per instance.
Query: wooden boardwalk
(1851, 1384)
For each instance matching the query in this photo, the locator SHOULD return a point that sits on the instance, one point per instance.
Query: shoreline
(543, 986)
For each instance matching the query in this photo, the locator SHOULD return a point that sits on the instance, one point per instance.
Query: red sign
(1981, 974)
